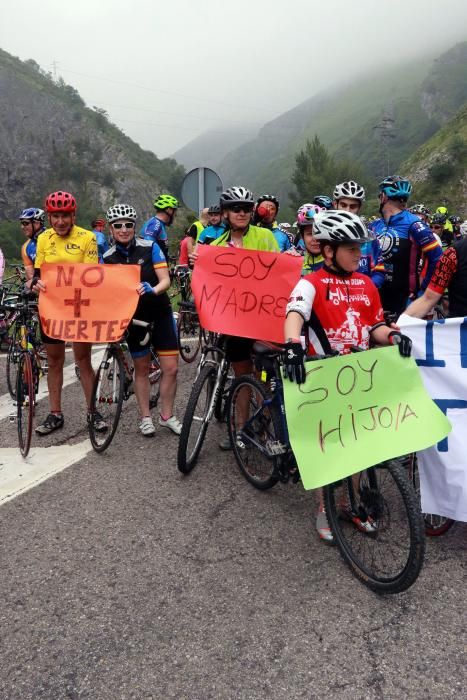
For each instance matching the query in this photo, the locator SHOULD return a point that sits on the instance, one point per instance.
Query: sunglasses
(245, 208)
(128, 225)
(25, 223)
(436, 227)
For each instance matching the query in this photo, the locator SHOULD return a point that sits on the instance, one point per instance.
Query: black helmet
(439, 219)
(268, 198)
(214, 209)
(322, 200)
(455, 220)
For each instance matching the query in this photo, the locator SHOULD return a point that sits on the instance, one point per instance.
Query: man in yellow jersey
(64, 242)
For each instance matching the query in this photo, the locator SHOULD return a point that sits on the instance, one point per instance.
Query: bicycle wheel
(255, 431)
(195, 420)
(25, 399)
(107, 398)
(435, 525)
(390, 558)
(154, 379)
(188, 334)
(12, 362)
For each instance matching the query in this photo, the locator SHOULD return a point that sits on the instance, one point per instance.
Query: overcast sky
(167, 71)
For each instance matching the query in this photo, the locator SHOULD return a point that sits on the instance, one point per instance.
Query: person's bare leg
(56, 360)
(168, 384)
(141, 383)
(82, 353)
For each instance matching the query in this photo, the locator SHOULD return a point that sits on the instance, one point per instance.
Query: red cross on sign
(77, 303)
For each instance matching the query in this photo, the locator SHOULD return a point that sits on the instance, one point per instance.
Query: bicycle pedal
(275, 448)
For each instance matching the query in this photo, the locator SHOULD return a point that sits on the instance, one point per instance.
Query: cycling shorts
(238, 349)
(163, 336)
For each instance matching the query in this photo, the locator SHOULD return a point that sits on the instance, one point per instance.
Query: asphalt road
(123, 579)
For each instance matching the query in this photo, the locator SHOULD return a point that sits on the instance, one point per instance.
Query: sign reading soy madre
(357, 410)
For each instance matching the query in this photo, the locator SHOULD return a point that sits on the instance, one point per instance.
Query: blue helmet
(322, 200)
(395, 187)
(33, 214)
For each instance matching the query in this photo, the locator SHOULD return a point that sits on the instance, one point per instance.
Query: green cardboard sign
(358, 410)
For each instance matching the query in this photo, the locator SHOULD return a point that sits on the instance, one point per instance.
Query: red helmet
(60, 202)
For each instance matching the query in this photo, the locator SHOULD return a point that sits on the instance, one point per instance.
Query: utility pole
(55, 66)
(385, 129)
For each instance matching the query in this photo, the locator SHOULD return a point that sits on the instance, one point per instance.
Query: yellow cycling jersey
(78, 246)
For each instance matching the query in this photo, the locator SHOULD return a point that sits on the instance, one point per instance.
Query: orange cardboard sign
(244, 292)
(88, 303)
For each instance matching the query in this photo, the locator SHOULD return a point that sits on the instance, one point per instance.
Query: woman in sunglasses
(153, 306)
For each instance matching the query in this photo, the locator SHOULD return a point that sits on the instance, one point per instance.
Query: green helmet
(166, 201)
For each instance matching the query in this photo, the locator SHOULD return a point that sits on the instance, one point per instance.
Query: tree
(317, 172)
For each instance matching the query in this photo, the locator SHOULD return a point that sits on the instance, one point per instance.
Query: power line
(149, 89)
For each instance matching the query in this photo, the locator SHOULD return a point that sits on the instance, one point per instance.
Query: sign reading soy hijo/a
(244, 292)
(357, 410)
(88, 303)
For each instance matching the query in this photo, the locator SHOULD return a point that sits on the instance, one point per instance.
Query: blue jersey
(371, 262)
(404, 238)
(282, 239)
(154, 230)
(102, 244)
(211, 233)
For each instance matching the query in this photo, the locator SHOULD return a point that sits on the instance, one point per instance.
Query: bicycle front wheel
(107, 398)
(385, 547)
(25, 399)
(12, 363)
(195, 420)
(255, 432)
(188, 334)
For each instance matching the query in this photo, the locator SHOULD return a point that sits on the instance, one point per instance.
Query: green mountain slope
(377, 120)
(50, 140)
(438, 169)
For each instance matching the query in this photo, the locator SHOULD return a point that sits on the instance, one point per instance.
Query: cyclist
(32, 222)
(216, 226)
(266, 209)
(451, 274)
(154, 229)
(403, 239)
(340, 307)
(444, 212)
(438, 226)
(307, 243)
(323, 201)
(237, 204)
(456, 222)
(186, 248)
(422, 212)
(350, 196)
(153, 306)
(64, 242)
(98, 229)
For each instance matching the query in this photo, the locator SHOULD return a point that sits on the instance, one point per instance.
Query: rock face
(50, 140)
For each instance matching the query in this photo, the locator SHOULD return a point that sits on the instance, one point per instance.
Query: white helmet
(350, 189)
(339, 227)
(236, 195)
(120, 211)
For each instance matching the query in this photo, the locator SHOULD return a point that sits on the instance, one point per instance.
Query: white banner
(440, 350)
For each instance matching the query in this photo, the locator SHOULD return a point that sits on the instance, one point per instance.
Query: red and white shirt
(344, 307)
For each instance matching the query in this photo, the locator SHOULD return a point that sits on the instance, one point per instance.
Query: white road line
(7, 406)
(18, 475)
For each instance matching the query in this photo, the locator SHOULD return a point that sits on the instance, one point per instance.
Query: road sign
(201, 188)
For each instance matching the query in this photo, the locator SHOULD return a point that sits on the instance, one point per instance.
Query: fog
(167, 71)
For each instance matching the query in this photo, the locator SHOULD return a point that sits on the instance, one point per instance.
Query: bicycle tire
(12, 360)
(435, 525)
(154, 379)
(107, 393)
(250, 446)
(398, 523)
(190, 443)
(25, 401)
(188, 335)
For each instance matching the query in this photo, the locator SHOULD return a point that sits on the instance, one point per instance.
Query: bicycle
(189, 332)
(114, 384)
(28, 369)
(435, 525)
(207, 399)
(389, 559)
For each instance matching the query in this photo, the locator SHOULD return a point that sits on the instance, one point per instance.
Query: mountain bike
(114, 384)
(28, 368)
(189, 332)
(389, 559)
(207, 400)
